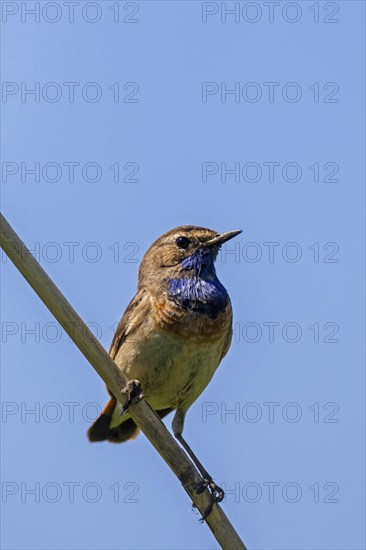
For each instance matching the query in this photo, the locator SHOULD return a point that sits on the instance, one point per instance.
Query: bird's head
(187, 251)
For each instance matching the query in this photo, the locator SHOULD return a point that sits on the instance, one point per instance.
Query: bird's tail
(100, 430)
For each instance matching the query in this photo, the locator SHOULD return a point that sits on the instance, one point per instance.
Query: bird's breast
(206, 296)
(198, 310)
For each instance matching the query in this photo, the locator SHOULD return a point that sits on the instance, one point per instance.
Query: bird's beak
(222, 238)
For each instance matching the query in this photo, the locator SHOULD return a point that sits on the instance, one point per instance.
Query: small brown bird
(173, 335)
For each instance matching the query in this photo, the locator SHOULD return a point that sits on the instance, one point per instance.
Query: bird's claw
(133, 392)
(216, 491)
(217, 494)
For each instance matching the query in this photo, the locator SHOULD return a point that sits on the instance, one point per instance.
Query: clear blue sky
(148, 97)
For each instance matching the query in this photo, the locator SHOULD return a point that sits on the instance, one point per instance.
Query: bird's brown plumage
(172, 350)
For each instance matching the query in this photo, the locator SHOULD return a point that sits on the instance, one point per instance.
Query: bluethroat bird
(172, 336)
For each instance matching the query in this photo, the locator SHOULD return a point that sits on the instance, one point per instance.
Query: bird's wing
(104, 426)
(136, 313)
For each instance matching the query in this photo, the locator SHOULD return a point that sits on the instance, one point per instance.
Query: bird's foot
(216, 491)
(217, 494)
(133, 392)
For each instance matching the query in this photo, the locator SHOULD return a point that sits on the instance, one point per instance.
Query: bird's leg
(216, 491)
(208, 481)
(133, 392)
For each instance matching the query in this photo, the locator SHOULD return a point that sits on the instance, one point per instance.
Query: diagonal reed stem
(147, 420)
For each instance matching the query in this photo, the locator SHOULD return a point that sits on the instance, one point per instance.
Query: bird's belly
(186, 375)
(172, 371)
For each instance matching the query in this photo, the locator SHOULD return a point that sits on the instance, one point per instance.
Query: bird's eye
(182, 242)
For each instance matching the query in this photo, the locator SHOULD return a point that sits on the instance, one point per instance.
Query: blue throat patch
(201, 292)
